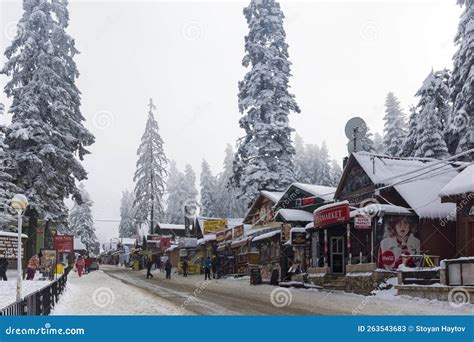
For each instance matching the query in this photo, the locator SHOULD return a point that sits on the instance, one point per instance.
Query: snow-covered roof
(274, 196)
(171, 226)
(385, 208)
(321, 191)
(78, 245)
(12, 234)
(128, 241)
(330, 205)
(295, 215)
(309, 225)
(297, 230)
(266, 235)
(461, 184)
(206, 238)
(418, 181)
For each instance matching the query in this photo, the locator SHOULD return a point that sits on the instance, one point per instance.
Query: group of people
(83, 265)
(149, 265)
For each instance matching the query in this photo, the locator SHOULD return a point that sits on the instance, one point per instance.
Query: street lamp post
(19, 203)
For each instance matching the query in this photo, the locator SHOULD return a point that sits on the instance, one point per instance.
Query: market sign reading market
(331, 214)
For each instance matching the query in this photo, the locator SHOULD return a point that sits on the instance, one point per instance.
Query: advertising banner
(64, 243)
(213, 226)
(220, 236)
(238, 232)
(362, 222)
(228, 235)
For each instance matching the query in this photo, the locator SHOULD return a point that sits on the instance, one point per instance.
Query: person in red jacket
(80, 263)
(88, 263)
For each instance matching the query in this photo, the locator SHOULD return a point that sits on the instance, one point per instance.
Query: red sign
(64, 243)
(332, 215)
(308, 200)
(362, 222)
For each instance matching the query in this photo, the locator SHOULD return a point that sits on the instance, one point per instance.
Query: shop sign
(220, 236)
(49, 259)
(362, 222)
(238, 232)
(298, 238)
(9, 247)
(228, 235)
(64, 243)
(213, 226)
(285, 232)
(165, 243)
(332, 215)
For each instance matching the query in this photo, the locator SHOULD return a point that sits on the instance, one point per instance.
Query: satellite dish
(355, 128)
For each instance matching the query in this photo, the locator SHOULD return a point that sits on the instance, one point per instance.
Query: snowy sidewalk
(8, 288)
(97, 293)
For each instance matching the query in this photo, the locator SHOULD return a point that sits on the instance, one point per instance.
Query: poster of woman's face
(400, 238)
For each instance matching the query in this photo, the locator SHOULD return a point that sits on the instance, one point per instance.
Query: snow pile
(8, 288)
(321, 191)
(295, 215)
(273, 196)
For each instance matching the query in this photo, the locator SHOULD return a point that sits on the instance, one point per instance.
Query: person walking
(207, 268)
(88, 263)
(33, 265)
(3, 268)
(149, 264)
(80, 264)
(168, 267)
(185, 267)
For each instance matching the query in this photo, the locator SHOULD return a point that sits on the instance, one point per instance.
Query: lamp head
(19, 202)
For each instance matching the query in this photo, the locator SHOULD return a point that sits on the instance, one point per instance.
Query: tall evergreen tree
(150, 174)
(208, 191)
(394, 127)
(433, 109)
(378, 143)
(177, 195)
(264, 158)
(410, 144)
(81, 222)
(47, 132)
(227, 202)
(336, 173)
(462, 83)
(324, 171)
(128, 225)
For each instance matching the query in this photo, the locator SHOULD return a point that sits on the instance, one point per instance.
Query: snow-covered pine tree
(336, 173)
(208, 185)
(47, 132)
(312, 164)
(433, 109)
(7, 188)
(462, 84)
(378, 143)
(81, 222)
(394, 126)
(176, 195)
(128, 226)
(324, 171)
(414, 131)
(227, 203)
(150, 174)
(299, 159)
(264, 159)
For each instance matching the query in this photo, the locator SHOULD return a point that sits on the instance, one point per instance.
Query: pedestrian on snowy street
(80, 264)
(33, 265)
(168, 267)
(3, 268)
(185, 267)
(88, 263)
(149, 264)
(207, 268)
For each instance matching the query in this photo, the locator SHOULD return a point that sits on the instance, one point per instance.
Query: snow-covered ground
(8, 288)
(97, 293)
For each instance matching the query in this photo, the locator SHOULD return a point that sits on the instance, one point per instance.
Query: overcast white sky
(187, 56)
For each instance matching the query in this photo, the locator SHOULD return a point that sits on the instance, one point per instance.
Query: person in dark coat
(3, 268)
(207, 268)
(149, 264)
(168, 267)
(185, 267)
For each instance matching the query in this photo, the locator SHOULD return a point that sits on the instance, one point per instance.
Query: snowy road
(237, 297)
(98, 294)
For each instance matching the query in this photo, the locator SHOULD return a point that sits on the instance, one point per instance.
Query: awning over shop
(266, 236)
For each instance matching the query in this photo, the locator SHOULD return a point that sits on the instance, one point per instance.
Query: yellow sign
(213, 226)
